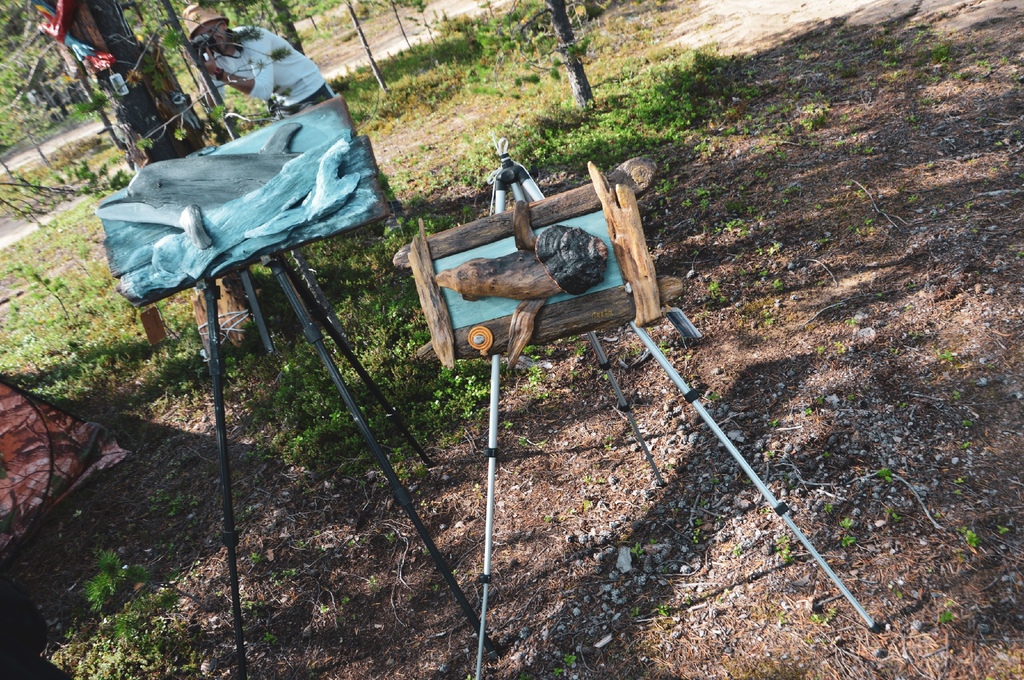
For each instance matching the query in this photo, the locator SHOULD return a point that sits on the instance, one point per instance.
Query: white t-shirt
(289, 79)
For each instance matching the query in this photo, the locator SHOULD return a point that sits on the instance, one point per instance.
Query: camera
(201, 43)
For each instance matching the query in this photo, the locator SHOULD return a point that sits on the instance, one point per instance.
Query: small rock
(625, 561)
(917, 625)
(984, 629)
(866, 335)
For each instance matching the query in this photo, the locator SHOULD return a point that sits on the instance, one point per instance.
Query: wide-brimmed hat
(195, 16)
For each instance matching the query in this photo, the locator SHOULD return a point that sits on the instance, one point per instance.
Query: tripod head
(510, 176)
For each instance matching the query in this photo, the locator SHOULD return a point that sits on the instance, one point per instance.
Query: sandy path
(738, 26)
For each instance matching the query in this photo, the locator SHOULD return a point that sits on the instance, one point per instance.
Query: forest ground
(856, 271)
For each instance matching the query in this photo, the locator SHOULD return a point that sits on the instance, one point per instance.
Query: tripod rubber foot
(877, 628)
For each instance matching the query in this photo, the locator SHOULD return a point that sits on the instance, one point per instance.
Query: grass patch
(145, 639)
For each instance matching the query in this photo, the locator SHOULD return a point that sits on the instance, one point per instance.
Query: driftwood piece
(607, 308)
(630, 245)
(521, 328)
(636, 173)
(431, 301)
(517, 276)
(523, 230)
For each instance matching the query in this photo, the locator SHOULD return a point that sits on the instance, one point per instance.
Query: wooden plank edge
(434, 308)
(636, 173)
(609, 308)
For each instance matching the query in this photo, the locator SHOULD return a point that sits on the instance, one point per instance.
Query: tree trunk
(394, 8)
(137, 110)
(366, 46)
(284, 18)
(581, 91)
(207, 81)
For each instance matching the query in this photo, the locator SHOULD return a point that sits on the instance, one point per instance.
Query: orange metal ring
(480, 338)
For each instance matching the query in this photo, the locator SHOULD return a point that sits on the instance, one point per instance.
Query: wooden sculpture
(293, 182)
(498, 274)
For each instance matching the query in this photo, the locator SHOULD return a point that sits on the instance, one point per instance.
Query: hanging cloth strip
(58, 20)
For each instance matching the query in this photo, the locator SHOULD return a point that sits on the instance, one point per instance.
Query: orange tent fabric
(44, 453)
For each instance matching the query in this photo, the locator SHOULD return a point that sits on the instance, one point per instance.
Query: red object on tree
(57, 23)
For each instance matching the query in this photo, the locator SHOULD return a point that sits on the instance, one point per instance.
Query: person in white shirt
(255, 62)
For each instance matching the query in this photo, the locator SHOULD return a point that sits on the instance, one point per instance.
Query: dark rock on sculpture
(573, 258)
(564, 259)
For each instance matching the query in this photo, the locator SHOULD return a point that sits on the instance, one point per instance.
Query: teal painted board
(465, 313)
(299, 180)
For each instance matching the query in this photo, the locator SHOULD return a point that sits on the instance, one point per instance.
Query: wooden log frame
(636, 173)
(639, 299)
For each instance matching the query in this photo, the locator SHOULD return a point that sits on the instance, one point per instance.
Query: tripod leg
(257, 313)
(500, 197)
(402, 497)
(313, 297)
(230, 535)
(780, 508)
(492, 452)
(624, 406)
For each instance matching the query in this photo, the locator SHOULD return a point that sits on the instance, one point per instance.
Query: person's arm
(243, 85)
(261, 85)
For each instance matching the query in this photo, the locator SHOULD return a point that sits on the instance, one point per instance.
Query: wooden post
(231, 312)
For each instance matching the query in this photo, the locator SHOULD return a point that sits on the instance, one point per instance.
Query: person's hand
(214, 70)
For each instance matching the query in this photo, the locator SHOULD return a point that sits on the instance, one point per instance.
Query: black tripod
(314, 313)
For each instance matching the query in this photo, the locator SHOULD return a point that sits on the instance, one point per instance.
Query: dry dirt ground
(855, 265)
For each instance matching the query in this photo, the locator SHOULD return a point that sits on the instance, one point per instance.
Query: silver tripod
(514, 177)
